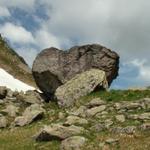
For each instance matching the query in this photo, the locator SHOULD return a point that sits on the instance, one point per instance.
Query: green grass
(116, 95)
(21, 138)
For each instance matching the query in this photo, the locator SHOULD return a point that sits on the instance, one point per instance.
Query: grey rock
(11, 110)
(98, 127)
(145, 127)
(73, 143)
(143, 116)
(111, 141)
(3, 92)
(120, 118)
(31, 97)
(81, 112)
(34, 112)
(79, 86)
(95, 102)
(93, 111)
(53, 67)
(3, 122)
(76, 120)
(125, 130)
(58, 132)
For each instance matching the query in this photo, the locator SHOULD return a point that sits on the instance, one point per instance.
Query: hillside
(14, 64)
(117, 120)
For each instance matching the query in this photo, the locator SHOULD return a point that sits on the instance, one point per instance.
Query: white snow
(14, 84)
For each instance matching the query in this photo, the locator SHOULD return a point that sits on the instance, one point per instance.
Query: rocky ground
(101, 120)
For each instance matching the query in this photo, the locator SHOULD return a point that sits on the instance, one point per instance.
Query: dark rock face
(3, 92)
(53, 67)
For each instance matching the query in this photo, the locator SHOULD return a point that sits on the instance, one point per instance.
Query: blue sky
(121, 25)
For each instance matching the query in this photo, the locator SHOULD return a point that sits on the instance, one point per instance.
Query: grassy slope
(22, 138)
(14, 64)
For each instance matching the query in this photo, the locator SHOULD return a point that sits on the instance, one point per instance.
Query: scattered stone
(144, 116)
(79, 112)
(93, 111)
(73, 143)
(31, 97)
(58, 132)
(76, 120)
(61, 115)
(111, 141)
(95, 102)
(53, 67)
(3, 92)
(98, 127)
(126, 130)
(145, 127)
(120, 118)
(81, 85)
(11, 110)
(32, 113)
(3, 122)
(108, 123)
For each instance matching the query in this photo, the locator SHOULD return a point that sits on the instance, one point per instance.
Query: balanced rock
(80, 85)
(53, 67)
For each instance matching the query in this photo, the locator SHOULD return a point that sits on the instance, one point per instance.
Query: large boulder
(81, 85)
(53, 67)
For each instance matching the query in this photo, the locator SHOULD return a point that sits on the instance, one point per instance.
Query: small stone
(98, 127)
(145, 127)
(3, 122)
(95, 102)
(120, 118)
(73, 143)
(11, 110)
(79, 112)
(126, 130)
(108, 123)
(61, 115)
(93, 111)
(76, 120)
(111, 141)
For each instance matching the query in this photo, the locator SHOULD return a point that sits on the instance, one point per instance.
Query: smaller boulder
(81, 85)
(76, 120)
(93, 111)
(73, 143)
(31, 97)
(3, 92)
(58, 132)
(11, 110)
(32, 113)
(95, 102)
(120, 118)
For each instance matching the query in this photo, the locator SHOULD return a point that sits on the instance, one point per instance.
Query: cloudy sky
(121, 25)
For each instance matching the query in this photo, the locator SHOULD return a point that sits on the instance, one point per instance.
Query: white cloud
(4, 12)
(16, 34)
(45, 39)
(22, 4)
(144, 70)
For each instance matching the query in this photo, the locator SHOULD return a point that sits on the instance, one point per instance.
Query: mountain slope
(14, 64)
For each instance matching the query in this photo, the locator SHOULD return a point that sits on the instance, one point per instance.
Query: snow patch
(14, 84)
